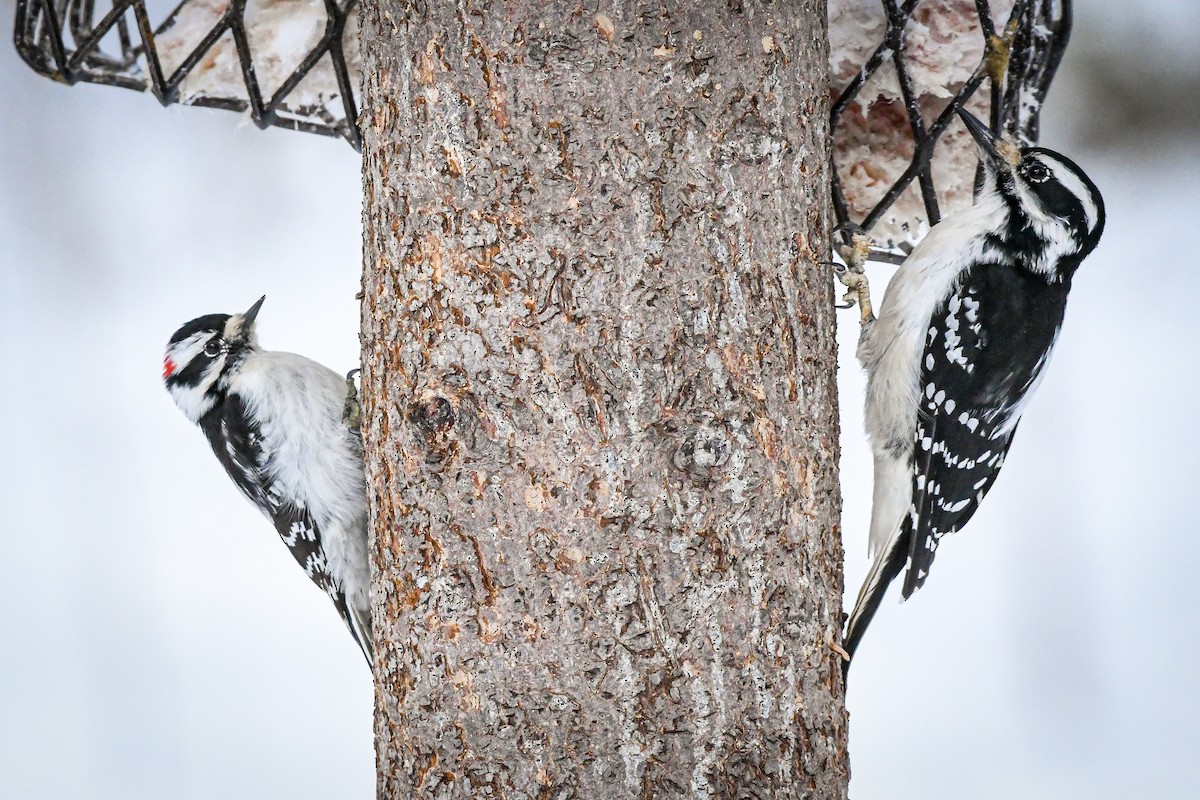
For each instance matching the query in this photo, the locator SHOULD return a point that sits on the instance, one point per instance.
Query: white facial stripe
(194, 399)
(1072, 183)
(1056, 237)
(183, 352)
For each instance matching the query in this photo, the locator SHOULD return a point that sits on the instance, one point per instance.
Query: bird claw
(837, 648)
(839, 271)
(858, 292)
(851, 274)
(352, 409)
(999, 48)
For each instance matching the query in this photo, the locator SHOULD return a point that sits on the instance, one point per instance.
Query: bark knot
(432, 415)
(703, 451)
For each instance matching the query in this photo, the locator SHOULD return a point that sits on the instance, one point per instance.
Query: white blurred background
(156, 641)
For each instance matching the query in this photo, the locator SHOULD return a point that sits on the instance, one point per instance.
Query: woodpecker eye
(213, 347)
(1036, 172)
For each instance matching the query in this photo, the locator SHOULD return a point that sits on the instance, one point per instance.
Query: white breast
(311, 455)
(891, 349)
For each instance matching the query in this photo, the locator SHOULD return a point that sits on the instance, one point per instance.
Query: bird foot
(352, 410)
(853, 277)
(999, 48)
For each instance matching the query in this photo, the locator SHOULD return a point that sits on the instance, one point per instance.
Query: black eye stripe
(192, 371)
(1060, 202)
(191, 374)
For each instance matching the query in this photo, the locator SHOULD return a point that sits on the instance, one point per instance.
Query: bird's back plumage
(965, 330)
(986, 348)
(317, 514)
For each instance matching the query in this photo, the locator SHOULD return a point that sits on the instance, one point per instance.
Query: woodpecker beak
(251, 313)
(239, 330)
(993, 150)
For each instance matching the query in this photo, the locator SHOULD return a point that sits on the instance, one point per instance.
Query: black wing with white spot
(984, 353)
(238, 445)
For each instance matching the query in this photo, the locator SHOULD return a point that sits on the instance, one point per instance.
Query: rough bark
(599, 394)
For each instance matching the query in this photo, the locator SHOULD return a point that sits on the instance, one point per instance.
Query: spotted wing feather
(984, 354)
(238, 445)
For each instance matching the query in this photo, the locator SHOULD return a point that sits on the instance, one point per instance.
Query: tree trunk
(599, 393)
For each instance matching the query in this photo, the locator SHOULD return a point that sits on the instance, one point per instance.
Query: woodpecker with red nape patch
(277, 423)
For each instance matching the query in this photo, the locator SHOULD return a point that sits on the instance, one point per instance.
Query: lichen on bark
(599, 400)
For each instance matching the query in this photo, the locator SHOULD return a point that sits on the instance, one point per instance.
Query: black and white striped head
(203, 354)
(1056, 213)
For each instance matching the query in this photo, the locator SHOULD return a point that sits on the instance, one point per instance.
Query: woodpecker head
(1056, 213)
(203, 354)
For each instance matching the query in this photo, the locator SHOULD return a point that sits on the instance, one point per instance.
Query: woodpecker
(276, 423)
(964, 333)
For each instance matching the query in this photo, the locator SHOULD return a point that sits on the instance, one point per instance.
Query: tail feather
(359, 623)
(886, 567)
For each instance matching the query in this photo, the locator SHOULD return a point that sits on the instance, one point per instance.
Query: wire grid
(64, 40)
(75, 40)
(1019, 63)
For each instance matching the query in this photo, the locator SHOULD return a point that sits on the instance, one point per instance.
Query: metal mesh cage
(900, 70)
(290, 63)
(900, 156)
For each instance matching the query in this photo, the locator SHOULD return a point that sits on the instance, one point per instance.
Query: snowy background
(157, 642)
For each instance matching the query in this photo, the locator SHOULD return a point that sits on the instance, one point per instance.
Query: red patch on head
(168, 367)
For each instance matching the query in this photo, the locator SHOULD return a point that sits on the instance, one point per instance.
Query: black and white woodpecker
(276, 422)
(963, 336)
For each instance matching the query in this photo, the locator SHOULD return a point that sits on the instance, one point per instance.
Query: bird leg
(852, 276)
(352, 410)
(999, 48)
